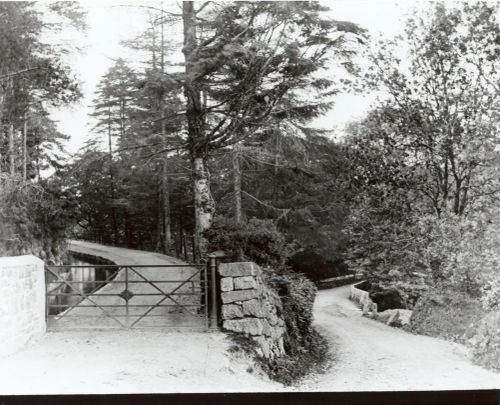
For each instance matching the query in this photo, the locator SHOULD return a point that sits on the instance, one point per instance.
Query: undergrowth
(306, 350)
(288, 369)
(447, 314)
(460, 318)
(486, 342)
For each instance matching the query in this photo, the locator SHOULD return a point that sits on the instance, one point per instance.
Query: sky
(112, 21)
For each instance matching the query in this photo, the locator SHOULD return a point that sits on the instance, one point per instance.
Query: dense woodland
(210, 145)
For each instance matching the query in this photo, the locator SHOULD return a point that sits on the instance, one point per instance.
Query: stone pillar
(22, 301)
(251, 308)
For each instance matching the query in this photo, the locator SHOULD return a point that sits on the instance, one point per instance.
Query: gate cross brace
(84, 296)
(166, 295)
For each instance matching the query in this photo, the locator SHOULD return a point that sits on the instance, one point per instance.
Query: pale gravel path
(370, 356)
(122, 362)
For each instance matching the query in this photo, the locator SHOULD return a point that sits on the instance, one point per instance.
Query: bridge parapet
(362, 297)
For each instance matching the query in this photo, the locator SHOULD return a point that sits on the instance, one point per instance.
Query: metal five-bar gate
(131, 296)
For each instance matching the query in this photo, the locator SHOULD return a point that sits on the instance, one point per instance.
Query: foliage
(303, 194)
(436, 132)
(33, 78)
(129, 217)
(114, 101)
(316, 267)
(248, 66)
(297, 294)
(36, 219)
(417, 254)
(424, 163)
(491, 293)
(486, 341)
(305, 348)
(443, 312)
(256, 240)
(388, 252)
(246, 88)
(247, 63)
(289, 369)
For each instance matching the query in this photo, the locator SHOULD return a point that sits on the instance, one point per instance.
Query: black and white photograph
(229, 197)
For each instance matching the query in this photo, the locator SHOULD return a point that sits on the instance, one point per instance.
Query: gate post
(212, 265)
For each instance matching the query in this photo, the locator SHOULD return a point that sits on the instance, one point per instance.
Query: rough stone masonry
(251, 308)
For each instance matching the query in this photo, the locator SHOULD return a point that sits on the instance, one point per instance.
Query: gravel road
(129, 361)
(370, 356)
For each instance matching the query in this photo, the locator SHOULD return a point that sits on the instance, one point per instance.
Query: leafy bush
(297, 294)
(446, 313)
(315, 266)
(257, 240)
(261, 242)
(491, 294)
(36, 218)
(290, 369)
(486, 341)
(306, 349)
(420, 252)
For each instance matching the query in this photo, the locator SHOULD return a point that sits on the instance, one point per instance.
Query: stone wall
(22, 301)
(336, 281)
(251, 308)
(362, 298)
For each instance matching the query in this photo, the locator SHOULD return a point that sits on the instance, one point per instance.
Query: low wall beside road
(336, 281)
(22, 301)
(362, 298)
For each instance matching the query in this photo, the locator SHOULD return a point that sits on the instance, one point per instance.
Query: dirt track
(370, 356)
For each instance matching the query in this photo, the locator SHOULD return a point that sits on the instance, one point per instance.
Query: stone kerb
(251, 308)
(22, 297)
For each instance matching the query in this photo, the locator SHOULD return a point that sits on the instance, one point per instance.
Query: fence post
(212, 265)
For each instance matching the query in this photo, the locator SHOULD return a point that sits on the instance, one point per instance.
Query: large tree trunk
(204, 206)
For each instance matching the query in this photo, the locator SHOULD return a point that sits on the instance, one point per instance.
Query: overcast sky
(109, 22)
